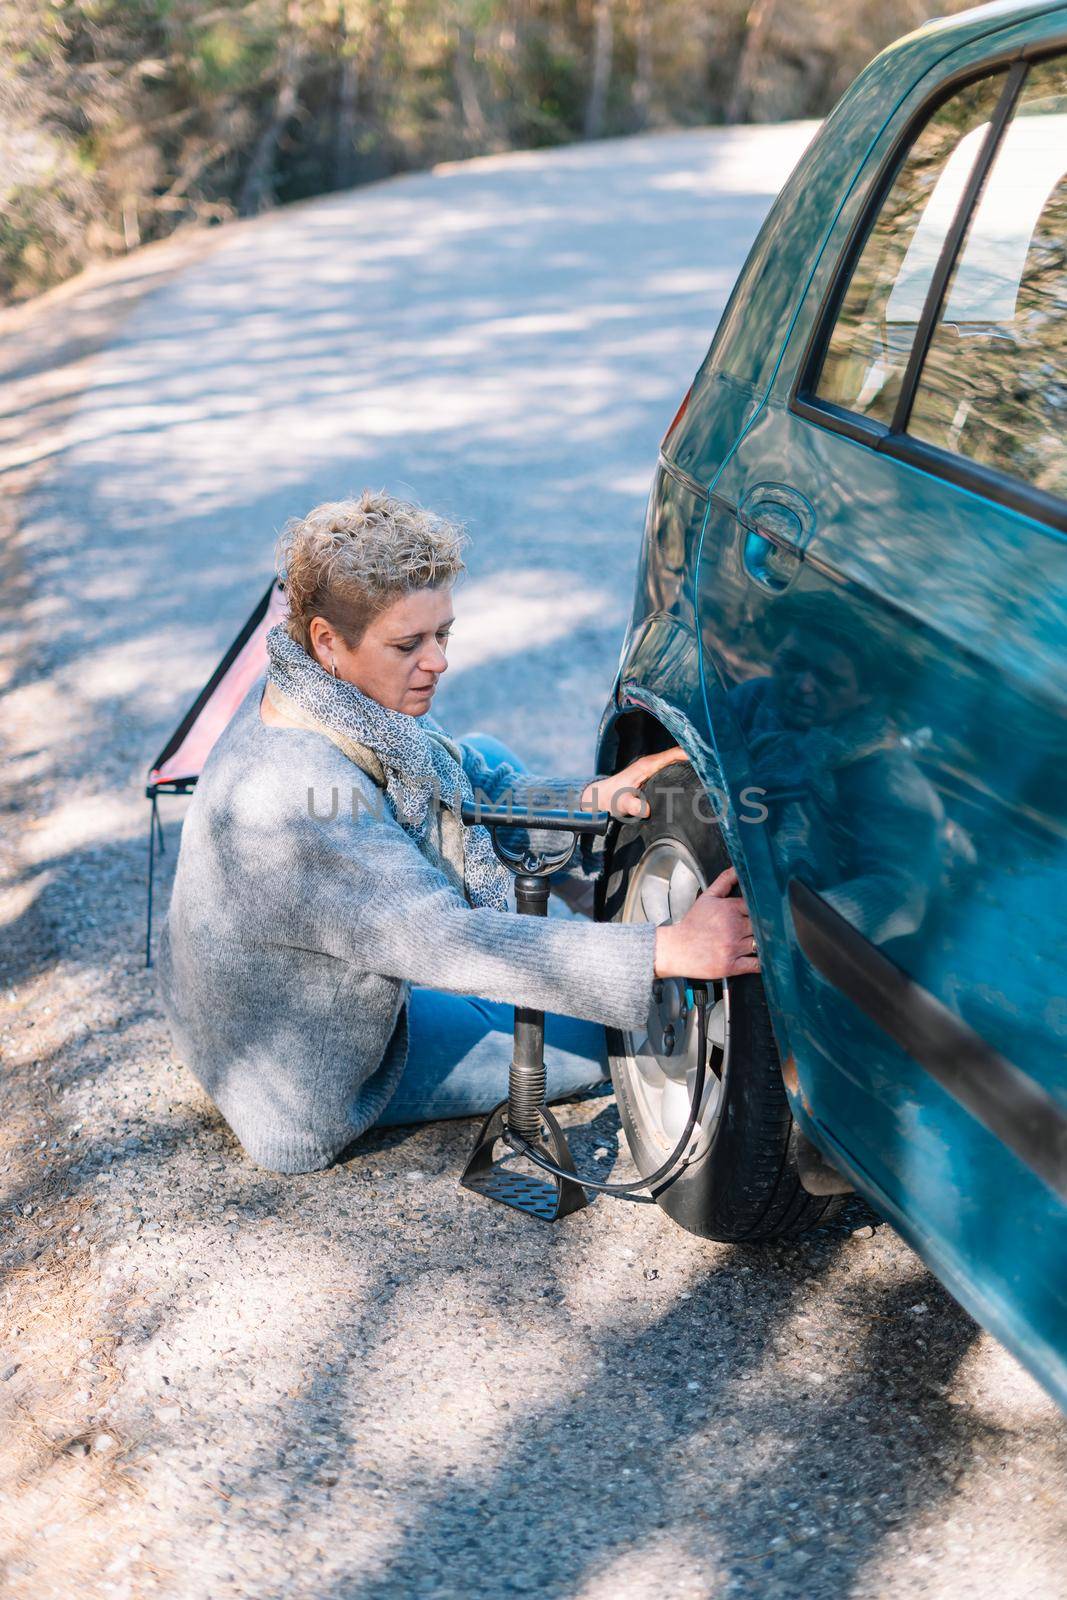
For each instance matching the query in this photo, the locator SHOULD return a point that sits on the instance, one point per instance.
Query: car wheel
(743, 1181)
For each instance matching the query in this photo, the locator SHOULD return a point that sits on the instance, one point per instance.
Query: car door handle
(775, 524)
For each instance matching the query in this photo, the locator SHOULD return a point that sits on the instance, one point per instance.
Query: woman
(330, 910)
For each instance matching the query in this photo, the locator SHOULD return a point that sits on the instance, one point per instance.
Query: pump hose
(663, 1176)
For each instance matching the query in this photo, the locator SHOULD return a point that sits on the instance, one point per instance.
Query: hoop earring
(333, 666)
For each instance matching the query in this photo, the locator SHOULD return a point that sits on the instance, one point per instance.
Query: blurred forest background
(122, 120)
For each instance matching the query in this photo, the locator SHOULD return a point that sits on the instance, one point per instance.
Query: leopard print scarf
(422, 764)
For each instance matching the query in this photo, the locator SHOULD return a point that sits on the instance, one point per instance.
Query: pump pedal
(544, 1196)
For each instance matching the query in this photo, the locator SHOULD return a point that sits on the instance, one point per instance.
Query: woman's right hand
(714, 938)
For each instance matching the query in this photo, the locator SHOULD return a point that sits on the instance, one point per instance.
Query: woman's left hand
(617, 794)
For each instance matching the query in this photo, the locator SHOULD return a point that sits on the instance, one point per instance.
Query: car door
(883, 618)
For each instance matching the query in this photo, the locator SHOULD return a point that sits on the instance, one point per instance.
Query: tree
(121, 120)
(603, 36)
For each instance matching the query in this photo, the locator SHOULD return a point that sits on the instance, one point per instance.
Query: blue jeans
(459, 1049)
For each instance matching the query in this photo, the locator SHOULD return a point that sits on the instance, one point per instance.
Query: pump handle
(471, 811)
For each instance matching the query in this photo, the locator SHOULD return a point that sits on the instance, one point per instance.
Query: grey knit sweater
(292, 939)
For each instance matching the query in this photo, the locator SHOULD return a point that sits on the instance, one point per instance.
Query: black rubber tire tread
(746, 1186)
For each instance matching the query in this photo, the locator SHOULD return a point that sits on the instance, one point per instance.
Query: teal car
(850, 614)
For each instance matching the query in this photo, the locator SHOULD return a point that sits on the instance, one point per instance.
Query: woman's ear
(322, 641)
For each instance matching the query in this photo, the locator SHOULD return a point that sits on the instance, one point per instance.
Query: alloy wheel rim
(662, 1058)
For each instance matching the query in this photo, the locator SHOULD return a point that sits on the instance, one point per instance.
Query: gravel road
(366, 1384)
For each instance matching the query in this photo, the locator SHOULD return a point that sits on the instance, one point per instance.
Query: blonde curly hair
(349, 560)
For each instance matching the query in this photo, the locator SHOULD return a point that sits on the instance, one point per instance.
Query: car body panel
(942, 846)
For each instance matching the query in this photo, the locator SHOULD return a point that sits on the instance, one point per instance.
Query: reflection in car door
(882, 614)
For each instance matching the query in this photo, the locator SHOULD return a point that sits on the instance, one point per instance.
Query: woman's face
(400, 656)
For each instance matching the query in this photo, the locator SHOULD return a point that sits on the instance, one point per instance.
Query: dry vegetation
(122, 120)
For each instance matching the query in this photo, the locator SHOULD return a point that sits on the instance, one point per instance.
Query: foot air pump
(523, 1122)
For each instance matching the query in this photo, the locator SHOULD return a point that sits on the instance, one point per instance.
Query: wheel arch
(657, 701)
(641, 722)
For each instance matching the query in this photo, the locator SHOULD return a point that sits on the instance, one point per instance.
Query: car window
(875, 328)
(993, 387)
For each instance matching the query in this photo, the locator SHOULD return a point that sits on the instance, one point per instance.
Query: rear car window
(993, 387)
(868, 350)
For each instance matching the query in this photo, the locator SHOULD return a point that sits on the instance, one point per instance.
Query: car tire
(743, 1182)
